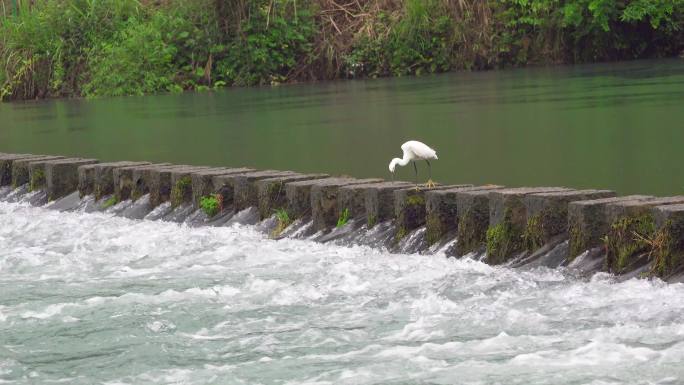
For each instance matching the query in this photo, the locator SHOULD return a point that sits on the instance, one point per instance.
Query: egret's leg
(415, 168)
(430, 183)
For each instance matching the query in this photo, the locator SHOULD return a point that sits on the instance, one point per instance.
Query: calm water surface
(617, 126)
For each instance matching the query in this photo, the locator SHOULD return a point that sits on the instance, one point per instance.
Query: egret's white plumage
(414, 150)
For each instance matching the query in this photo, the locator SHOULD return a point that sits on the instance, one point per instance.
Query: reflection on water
(616, 126)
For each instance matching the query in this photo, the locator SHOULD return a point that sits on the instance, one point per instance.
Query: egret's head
(393, 164)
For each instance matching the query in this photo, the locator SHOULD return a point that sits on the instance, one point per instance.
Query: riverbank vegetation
(66, 48)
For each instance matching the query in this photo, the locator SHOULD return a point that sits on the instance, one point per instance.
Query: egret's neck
(402, 162)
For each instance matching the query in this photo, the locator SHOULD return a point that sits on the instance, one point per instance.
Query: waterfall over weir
(381, 236)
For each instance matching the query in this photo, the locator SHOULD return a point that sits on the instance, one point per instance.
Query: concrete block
(124, 182)
(157, 181)
(667, 248)
(588, 222)
(203, 181)
(181, 184)
(325, 211)
(441, 211)
(245, 191)
(61, 176)
(507, 221)
(20, 169)
(379, 201)
(547, 214)
(631, 232)
(352, 198)
(104, 176)
(271, 192)
(6, 162)
(409, 207)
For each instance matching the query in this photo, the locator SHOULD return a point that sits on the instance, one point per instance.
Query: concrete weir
(632, 235)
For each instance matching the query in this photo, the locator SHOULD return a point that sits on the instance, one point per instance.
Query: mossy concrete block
(20, 169)
(507, 221)
(203, 181)
(632, 232)
(668, 242)
(588, 222)
(409, 208)
(6, 162)
(124, 181)
(325, 211)
(441, 211)
(181, 184)
(353, 197)
(86, 180)
(143, 179)
(245, 191)
(103, 174)
(158, 182)
(626, 208)
(472, 208)
(547, 214)
(298, 195)
(61, 176)
(379, 201)
(271, 192)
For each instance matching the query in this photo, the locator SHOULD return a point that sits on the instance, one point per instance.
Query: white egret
(414, 150)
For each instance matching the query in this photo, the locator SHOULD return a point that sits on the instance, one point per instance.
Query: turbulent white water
(98, 299)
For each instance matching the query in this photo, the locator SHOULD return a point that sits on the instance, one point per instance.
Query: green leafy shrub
(284, 221)
(211, 204)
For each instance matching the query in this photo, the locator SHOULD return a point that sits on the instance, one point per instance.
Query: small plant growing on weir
(343, 219)
(180, 190)
(371, 220)
(37, 180)
(211, 204)
(284, 220)
(626, 239)
(110, 202)
(533, 237)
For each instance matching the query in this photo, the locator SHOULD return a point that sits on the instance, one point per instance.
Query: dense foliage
(53, 48)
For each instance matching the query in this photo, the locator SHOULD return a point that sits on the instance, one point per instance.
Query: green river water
(616, 125)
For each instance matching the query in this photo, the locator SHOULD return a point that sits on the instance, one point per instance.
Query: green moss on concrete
(666, 258)
(180, 190)
(37, 180)
(415, 200)
(533, 236)
(626, 239)
(401, 233)
(503, 239)
(576, 242)
(434, 229)
(470, 233)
